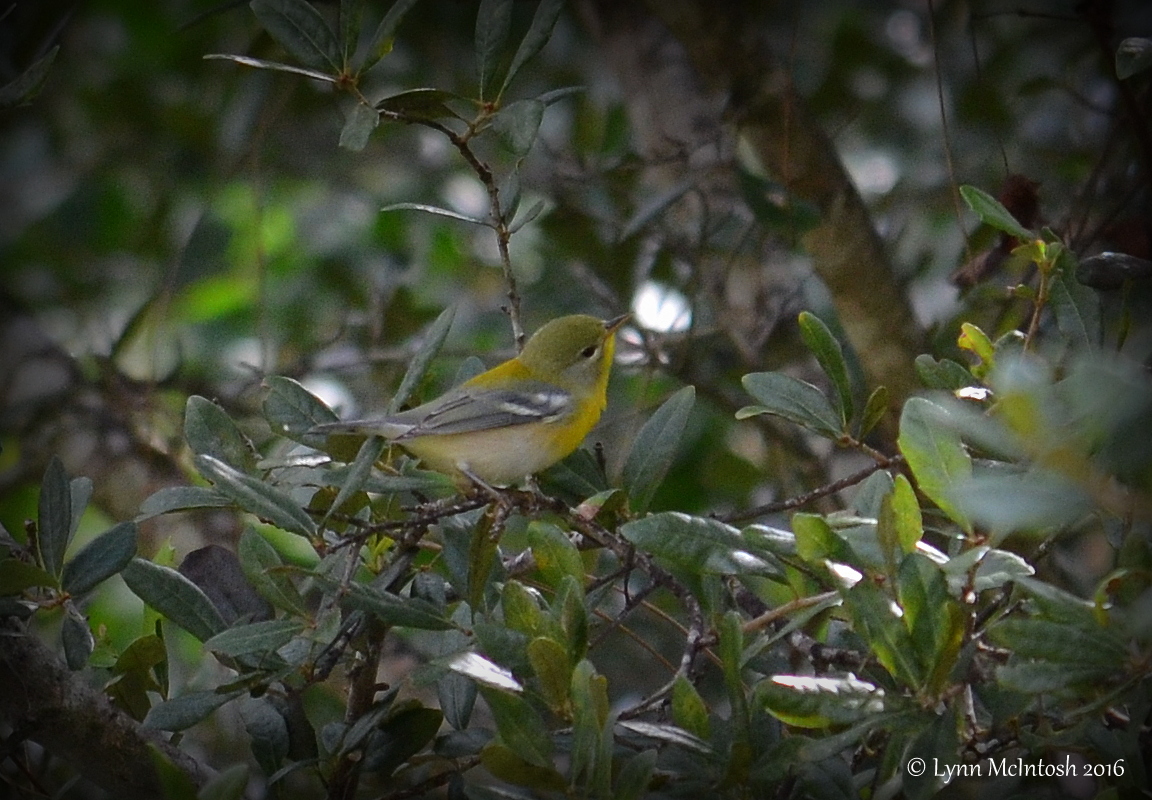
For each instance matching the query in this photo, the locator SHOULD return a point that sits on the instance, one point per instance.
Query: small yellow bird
(519, 417)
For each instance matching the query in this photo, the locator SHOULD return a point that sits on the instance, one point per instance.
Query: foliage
(920, 618)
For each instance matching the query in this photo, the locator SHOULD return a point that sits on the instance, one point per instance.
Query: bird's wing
(477, 408)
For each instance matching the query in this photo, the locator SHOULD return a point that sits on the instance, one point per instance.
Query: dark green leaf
(635, 776)
(381, 43)
(875, 619)
(874, 410)
(351, 12)
(1083, 645)
(656, 447)
(268, 731)
(419, 105)
(1075, 306)
(403, 735)
(508, 765)
(361, 121)
(1035, 677)
(944, 374)
(532, 213)
(358, 473)
(521, 610)
(492, 24)
(519, 726)
(293, 411)
(819, 339)
(276, 66)
(457, 696)
(554, 553)
(174, 596)
(792, 399)
(54, 520)
(180, 498)
(27, 84)
(534, 40)
(100, 559)
(302, 31)
(77, 639)
(418, 366)
(16, 576)
(209, 431)
(407, 612)
(992, 212)
(262, 567)
(806, 702)
(518, 124)
(696, 544)
(259, 498)
(670, 734)
(255, 638)
(186, 710)
(935, 455)
(1132, 56)
(228, 784)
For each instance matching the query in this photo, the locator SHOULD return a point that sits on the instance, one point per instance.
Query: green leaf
(806, 702)
(932, 617)
(1133, 55)
(27, 84)
(519, 726)
(655, 448)
(992, 212)
(688, 708)
(695, 544)
(874, 410)
(174, 596)
(976, 341)
(351, 13)
(209, 431)
(418, 366)
(554, 553)
(521, 611)
(670, 734)
(358, 473)
(1075, 306)
(419, 105)
(276, 66)
(1036, 677)
(908, 522)
(1073, 645)
(944, 374)
(875, 619)
(54, 519)
(100, 559)
(381, 42)
(181, 713)
(544, 20)
(493, 21)
(180, 498)
(457, 697)
(634, 778)
(302, 31)
(404, 734)
(228, 784)
(792, 399)
(263, 568)
(293, 411)
(77, 639)
(507, 764)
(407, 612)
(819, 339)
(256, 638)
(437, 211)
(518, 124)
(16, 576)
(815, 539)
(361, 121)
(935, 455)
(259, 498)
(553, 668)
(532, 213)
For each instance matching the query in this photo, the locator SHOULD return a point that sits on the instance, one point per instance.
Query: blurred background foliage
(172, 226)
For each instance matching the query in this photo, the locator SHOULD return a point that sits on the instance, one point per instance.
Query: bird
(515, 419)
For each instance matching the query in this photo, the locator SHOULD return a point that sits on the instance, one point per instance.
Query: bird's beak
(614, 324)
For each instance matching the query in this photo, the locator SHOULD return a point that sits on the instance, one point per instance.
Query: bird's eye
(589, 351)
